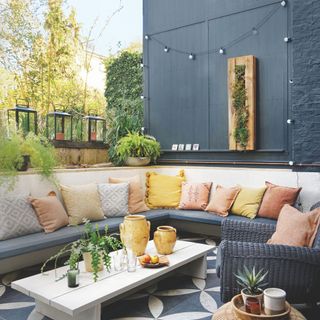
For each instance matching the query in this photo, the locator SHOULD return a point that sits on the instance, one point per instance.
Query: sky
(124, 27)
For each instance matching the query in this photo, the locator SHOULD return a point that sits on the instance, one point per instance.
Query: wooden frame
(250, 85)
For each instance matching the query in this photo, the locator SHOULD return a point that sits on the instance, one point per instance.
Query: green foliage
(251, 281)
(136, 145)
(124, 106)
(93, 242)
(123, 78)
(239, 96)
(13, 148)
(128, 117)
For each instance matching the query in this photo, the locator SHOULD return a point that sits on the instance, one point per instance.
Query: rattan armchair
(294, 269)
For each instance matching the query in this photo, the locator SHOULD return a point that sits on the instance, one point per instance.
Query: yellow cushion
(163, 191)
(248, 201)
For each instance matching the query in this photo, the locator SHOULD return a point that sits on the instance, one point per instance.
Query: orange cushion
(275, 198)
(194, 196)
(50, 212)
(136, 197)
(295, 228)
(222, 199)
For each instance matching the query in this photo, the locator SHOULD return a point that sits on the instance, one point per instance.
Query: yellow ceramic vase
(135, 233)
(88, 262)
(165, 239)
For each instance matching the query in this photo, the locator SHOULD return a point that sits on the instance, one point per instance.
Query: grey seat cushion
(37, 241)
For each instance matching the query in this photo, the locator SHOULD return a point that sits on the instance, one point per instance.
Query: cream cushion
(82, 202)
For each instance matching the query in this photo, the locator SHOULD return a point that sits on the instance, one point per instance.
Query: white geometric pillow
(114, 199)
(17, 217)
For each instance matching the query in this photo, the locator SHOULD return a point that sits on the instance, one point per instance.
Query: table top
(44, 288)
(226, 313)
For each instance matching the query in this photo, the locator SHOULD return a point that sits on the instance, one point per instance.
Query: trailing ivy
(124, 106)
(239, 96)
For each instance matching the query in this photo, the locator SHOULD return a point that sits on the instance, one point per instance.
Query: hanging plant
(240, 107)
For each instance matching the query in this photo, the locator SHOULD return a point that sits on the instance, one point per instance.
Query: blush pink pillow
(194, 196)
(295, 228)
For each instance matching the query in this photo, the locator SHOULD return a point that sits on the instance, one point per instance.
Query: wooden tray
(163, 261)
(239, 310)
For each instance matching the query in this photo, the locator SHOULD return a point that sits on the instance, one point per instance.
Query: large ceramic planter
(134, 233)
(137, 161)
(252, 303)
(165, 239)
(87, 262)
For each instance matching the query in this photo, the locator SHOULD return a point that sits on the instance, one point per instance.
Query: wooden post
(250, 84)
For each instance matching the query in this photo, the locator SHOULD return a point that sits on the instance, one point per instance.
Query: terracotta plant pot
(135, 233)
(87, 262)
(252, 303)
(137, 161)
(165, 239)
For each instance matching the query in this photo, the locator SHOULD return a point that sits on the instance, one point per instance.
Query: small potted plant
(15, 149)
(137, 150)
(252, 292)
(93, 246)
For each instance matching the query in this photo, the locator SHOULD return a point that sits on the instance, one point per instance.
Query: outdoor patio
(176, 176)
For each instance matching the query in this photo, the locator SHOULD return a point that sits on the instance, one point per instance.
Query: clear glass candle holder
(119, 260)
(131, 261)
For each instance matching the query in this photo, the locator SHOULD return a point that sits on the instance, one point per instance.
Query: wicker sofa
(294, 269)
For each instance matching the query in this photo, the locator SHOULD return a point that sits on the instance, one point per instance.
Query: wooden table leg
(93, 313)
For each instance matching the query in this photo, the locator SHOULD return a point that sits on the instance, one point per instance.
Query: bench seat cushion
(37, 241)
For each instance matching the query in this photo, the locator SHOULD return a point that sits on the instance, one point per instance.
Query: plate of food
(148, 261)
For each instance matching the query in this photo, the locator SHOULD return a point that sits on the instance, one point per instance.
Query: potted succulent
(93, 246)
(252, 292)
(137, 150)
(15, 152)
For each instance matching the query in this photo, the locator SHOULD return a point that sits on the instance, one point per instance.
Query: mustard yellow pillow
(248, 201)
(163, 191)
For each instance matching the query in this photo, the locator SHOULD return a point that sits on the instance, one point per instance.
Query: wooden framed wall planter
(242, 102)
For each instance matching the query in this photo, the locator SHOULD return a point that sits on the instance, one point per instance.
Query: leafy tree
(123, 90)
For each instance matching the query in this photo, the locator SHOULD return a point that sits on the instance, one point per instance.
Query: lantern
(59, 126)
(23, 117)
(94, 128)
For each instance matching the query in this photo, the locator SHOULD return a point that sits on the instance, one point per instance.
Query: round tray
(163, 262)
(238, 308)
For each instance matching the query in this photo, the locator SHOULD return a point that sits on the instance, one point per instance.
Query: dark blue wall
(187, 100)
(306, 80)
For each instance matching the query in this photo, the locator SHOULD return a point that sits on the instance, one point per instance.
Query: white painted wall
(310, 182)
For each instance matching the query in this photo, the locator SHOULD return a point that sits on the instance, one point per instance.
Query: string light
(142, 97)
(291, 81)
(291, 163)
(290, 121)
(222, 50)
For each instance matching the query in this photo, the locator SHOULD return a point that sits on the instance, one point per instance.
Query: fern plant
(251, 281)
(137, 145)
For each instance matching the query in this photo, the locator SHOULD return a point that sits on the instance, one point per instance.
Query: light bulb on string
(166, 49)
(283, 3)
(221, 51)
(146, 37)
(191, 56)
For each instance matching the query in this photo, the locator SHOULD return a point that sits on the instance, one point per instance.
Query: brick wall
(306, 76)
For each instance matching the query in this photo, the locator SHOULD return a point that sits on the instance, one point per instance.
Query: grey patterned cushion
(114, 199)
(17, 217)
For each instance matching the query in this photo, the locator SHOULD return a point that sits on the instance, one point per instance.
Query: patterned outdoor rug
(174, 298)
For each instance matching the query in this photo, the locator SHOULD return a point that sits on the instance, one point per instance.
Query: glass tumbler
(131, 261)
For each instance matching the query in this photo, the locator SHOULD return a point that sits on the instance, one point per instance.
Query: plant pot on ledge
(137, 161)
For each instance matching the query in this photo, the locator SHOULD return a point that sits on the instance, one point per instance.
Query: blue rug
(173, 298)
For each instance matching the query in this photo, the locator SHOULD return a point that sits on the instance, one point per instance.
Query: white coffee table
(56, 300)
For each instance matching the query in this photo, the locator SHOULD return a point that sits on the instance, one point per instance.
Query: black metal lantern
(23, 118)
(94, 128)
(59, 126)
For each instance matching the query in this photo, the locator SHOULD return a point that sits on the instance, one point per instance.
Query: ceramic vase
(252, 303)
(274, 301)
(137, 161)
(165, 239)
(87, 262)
(135, 233)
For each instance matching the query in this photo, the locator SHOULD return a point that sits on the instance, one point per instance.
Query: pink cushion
(194, 196)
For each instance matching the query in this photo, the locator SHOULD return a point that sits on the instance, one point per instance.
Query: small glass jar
(73, 278)
(131, 260)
